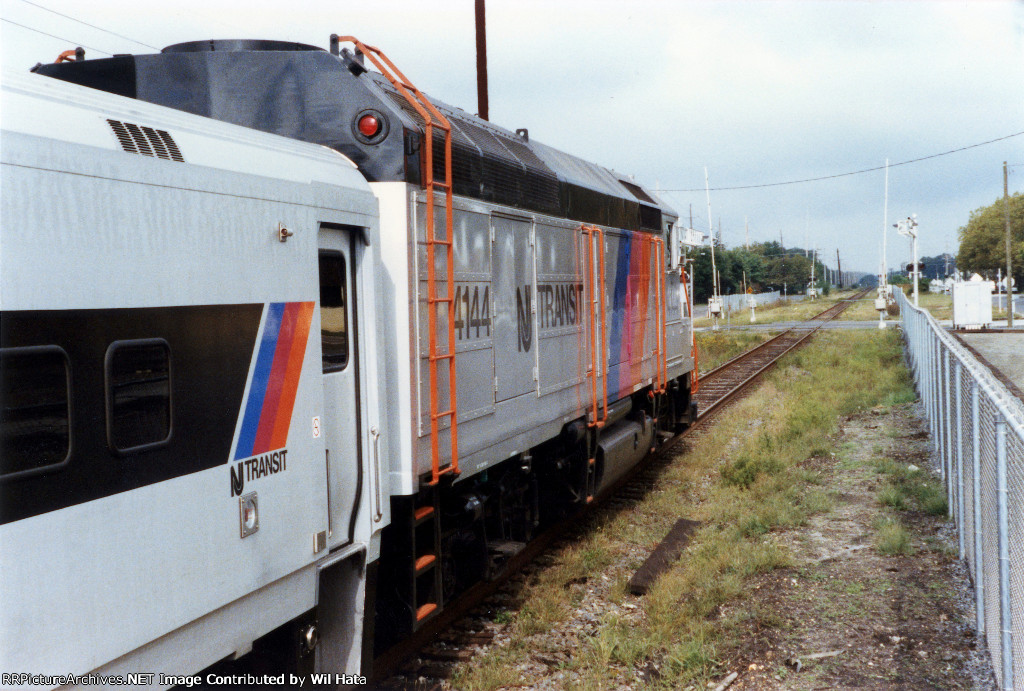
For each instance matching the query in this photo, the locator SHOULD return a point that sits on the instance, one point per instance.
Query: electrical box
(972, 304)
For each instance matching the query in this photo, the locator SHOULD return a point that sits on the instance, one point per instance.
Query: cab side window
(333, 311)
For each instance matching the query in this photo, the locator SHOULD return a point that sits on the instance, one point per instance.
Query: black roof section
(304, 92)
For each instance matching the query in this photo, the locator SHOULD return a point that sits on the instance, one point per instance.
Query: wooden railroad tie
(663, 556)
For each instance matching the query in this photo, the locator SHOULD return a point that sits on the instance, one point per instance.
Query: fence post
(936, 434)
(979, 549)
(947, 437)
(959, 458)
(1005, 611)
(930, 359)
(937, 408)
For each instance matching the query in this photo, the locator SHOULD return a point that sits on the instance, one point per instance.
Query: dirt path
(902, 622)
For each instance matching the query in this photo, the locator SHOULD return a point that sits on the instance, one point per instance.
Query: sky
(756, 93)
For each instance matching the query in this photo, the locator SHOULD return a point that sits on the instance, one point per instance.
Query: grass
(939, 304)
(742, 479)
(906, 488)
(891, 538)
(862, 310)
(717, 347)
(781, 311)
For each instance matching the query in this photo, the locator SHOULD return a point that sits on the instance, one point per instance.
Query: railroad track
(453, 636)
(720, 385)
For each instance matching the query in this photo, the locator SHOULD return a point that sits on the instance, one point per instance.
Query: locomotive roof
(304, 92)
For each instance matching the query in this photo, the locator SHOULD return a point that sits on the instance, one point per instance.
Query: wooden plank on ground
(663, 556)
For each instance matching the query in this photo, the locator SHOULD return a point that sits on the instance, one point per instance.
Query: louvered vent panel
(147, 141)
(158, 145)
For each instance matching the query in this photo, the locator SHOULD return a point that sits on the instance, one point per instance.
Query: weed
(934, 502)
(853, 588)
(504, 617)
(891, 496)
(892, 538)
(816, 501)
(743, 472)
(908, 487)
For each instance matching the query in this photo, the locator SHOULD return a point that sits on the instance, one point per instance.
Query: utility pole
(715, 303)
(839, 268)
(1009, 260)
(807, 227)
(812, 292)
(884, 281)
(481, 61)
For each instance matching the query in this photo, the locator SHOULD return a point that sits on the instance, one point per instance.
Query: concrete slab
(1003, 352)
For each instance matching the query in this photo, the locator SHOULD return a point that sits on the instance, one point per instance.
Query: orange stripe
(293, 373)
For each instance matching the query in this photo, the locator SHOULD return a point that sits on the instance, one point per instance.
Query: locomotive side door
(338, 340)
(514, 294)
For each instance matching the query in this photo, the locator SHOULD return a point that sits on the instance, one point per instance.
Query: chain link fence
(977, 433)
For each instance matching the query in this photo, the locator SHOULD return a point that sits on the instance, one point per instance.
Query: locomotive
(187, 473)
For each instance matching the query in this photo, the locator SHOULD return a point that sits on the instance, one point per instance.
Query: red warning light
(369, 126)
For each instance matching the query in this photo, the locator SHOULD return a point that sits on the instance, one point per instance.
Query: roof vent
(136, 139)
(637, 191)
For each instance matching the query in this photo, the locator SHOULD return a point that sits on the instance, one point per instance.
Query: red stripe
(277, 378)
(279, 438)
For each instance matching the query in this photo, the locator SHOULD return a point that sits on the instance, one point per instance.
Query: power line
(855, 172)
(99, 28)
(59, 38)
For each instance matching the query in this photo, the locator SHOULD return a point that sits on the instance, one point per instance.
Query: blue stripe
(260, 377)
(619, 299)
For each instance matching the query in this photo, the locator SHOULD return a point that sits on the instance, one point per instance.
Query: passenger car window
(333, 313)
(35, 409)
(138, 394)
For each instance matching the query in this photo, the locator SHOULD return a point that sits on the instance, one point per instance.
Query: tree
(936, 267)
(794, 270)
(983, 239)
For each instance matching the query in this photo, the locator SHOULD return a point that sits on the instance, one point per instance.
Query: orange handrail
(693, 340)
(432, 118)
(597, 358)
(661, 316)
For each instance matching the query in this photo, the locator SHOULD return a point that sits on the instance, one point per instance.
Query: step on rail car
(188, 473)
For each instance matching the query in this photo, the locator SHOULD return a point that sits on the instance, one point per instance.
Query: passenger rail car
(504, 334)
(184, 463)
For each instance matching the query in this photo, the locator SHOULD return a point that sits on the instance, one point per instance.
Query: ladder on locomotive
(660, 380)
(432, 118)
(594, 276)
